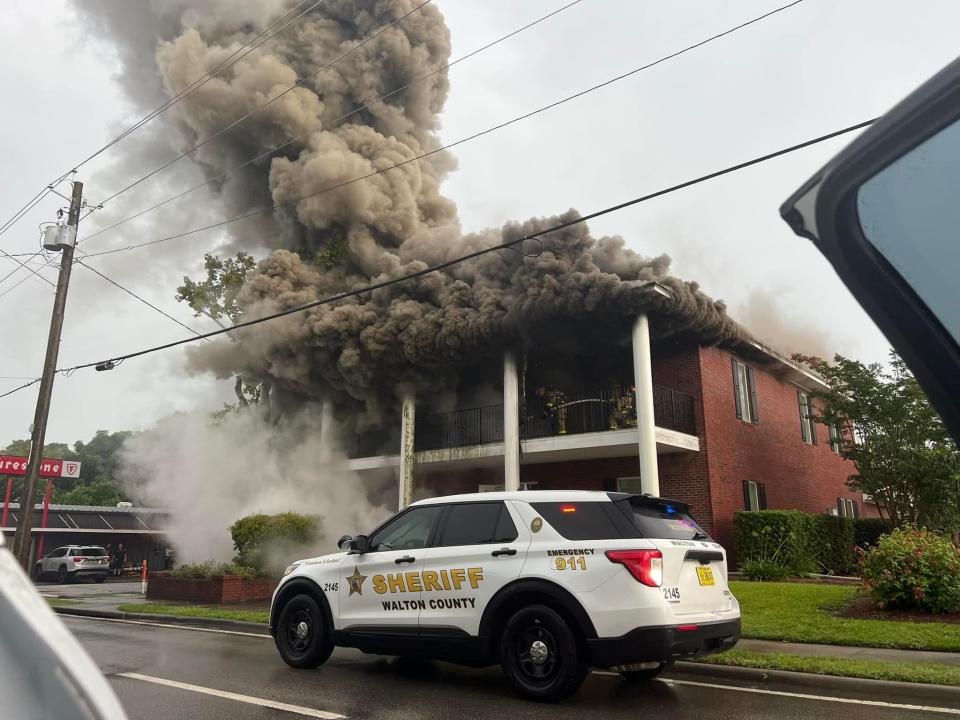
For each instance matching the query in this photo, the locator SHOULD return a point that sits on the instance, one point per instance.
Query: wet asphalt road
(358, 686)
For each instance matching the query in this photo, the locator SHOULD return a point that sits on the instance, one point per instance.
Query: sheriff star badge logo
(356, 582)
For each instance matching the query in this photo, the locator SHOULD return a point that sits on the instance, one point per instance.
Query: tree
(99, 467)
(903, 454)
(217, 298)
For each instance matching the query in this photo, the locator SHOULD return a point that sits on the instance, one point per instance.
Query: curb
(927, 692)
(212, 623)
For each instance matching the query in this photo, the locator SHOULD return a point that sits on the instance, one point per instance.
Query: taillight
(646, 566)
(78, 559)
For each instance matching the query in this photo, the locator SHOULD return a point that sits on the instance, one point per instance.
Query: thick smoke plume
(210, 474)
(421, 335)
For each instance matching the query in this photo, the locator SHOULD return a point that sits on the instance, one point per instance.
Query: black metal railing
(474, 426)
(546, 414)
(673, 410)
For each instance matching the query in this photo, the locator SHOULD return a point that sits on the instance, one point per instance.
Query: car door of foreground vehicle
(480, 547)
(382, 587)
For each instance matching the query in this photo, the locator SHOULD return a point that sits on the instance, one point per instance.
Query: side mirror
(360, 544)
(344, 542)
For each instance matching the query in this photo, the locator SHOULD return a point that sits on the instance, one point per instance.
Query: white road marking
(807, 696)
(250, 700)
(194, 628)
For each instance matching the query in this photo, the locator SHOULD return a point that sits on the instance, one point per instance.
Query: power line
(461, 141)
(335, 122)
(112, 362)
(211, 73)
(265, 104)
(12, 220)
(227, 62)
(22, 387)
(137, 297)
(24, 265)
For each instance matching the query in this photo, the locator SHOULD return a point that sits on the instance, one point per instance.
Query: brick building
(722, 428)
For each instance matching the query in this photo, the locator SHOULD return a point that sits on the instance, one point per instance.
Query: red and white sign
(12, 465)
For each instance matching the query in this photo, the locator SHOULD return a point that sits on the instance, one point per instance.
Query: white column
(511, 423)
(646, 426)
(326, 425)
(408, 417)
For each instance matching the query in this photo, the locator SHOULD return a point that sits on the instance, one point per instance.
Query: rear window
(666, 522)
(91, 552)
(580, 520)
(476, 524)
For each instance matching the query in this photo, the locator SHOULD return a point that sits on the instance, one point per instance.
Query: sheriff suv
(545, 583)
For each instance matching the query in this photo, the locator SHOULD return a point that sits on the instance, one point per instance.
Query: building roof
(99, 509)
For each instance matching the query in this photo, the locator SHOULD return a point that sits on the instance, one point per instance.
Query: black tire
(303, 638)
(538, 652)
(37, 572)
(100, 578)
(62, 576)
(641, 676)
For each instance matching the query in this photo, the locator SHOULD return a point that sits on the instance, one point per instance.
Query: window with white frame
(808, 428)
(848, 508)
(744, 392)
(754, 495)
(835, 437)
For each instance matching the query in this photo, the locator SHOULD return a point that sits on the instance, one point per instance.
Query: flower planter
(218, 590)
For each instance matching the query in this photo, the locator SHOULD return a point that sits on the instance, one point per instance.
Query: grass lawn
(872, 669)
(199, 611)
(801, 612)
(54, 602)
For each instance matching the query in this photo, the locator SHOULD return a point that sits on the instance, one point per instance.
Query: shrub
(267, 543)
(763, 570)
(780, 537)
(211, 568)
(912, 568)
(832, 540)
(867, 531)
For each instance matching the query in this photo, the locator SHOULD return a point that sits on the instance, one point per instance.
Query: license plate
(705, 576)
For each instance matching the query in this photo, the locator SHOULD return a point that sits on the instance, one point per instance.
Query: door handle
(404, 559)
(504, 551)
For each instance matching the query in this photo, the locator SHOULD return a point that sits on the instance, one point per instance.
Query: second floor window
(808, 428)
(745, 392)
(835, 437)
(754, 495)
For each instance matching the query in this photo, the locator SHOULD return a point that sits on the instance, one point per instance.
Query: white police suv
(547, 583)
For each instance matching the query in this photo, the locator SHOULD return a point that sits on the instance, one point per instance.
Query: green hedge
(867, 531)
(797, 542)
(832, 539)
(781, 537)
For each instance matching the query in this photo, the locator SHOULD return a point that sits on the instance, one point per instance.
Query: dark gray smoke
(421, 334)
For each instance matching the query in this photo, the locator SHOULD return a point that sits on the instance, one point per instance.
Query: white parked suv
(547, 583)
(74, 561)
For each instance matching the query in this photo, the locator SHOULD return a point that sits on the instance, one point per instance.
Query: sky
(809, 70)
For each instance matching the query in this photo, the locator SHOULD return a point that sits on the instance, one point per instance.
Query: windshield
(663, 521)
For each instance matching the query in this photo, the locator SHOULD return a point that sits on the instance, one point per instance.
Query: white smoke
(208, 474)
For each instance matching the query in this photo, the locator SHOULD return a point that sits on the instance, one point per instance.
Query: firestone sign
(12, 465)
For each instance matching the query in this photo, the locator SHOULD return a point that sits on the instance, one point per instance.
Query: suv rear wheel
(302, 636)
(538, 652)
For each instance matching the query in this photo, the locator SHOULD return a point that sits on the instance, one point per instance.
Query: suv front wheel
(302, 637)
(538, 652)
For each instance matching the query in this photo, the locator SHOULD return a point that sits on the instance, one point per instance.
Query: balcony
(563, 414)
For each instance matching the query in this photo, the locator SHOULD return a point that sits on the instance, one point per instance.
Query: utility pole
(21, 542)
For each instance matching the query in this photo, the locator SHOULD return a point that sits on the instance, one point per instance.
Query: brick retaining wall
(216, 590)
